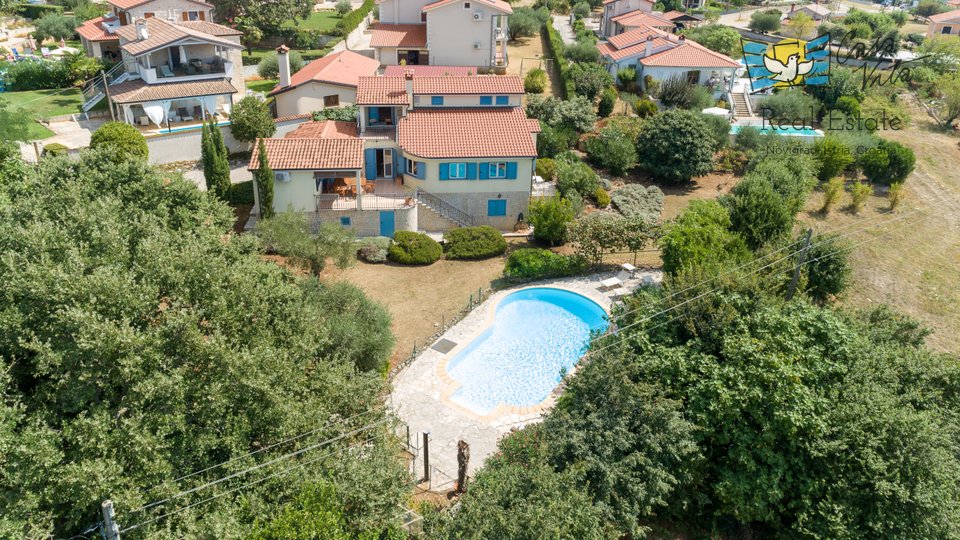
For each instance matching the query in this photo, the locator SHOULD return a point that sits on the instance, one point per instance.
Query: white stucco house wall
(614, 8)
(330, 81)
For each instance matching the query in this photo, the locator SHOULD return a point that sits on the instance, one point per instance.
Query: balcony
(193, 70)
(377, 195)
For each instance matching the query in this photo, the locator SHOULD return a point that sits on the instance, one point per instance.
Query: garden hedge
(352, 20)
(414, 249)
(35, 11)
(556, 46)
(474, 243)
(533, 263)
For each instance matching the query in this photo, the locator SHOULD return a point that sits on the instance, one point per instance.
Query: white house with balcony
(174, 72)
(426, 153)
(445, 32)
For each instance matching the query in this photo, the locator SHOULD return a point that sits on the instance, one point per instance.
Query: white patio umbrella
(64, 50)
(716, 111)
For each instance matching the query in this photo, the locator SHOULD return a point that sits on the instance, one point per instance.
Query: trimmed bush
(125, 141)
(645, 108)
(414, 249)
(611, 149)
(54, 149)
(547, 169)
(531, 263)
(636, 201)
(35, 11)
(555, 52)
(474, 243)
(608, 99)
(602, 197)
(535, 82)
(241, 193)
(352, 20)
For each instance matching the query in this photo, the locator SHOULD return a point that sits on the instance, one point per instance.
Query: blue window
(458, 171)
(436, 100)
(496, 207)
(497, 170)
(486, 100)
(345, 221)
(503, 100)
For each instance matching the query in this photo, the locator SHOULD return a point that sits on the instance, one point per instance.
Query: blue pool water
(518, 360)
(787, 131)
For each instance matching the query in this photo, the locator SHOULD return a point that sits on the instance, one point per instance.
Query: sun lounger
(45, 52)
(184, 115)
(610, 283)
(165, 71)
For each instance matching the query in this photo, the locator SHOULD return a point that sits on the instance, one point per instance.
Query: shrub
(581, 10)
(858, 196)
(636, 201)
(352, 20)
(269, 66)
(555, 50)
(549, 217)
(414, 249)
(22, 76)
(552, 141)
(36, 11)
(581, 52)
(373, 249)
(874, 162)
(645, 108)
(731, 160)
(670, 146)
(589, 78)
(789, 105)
(700, 237)
(719, 128)
(832, 155)
(535, 82)
(676, 92)
(250, 120)
(124, 141)
(895, 195)
(627, 78)
(827, 270)
(608, 98)
(547, 169)
(531, 263)
(831, 193)
(611, 149)
(849, 105)
(54, 150)
(474, 243)
(575, 176)
(900, 161)
(757, 212)
(748, 138)
(576, 113)
(343, 7)
(241, 193)
(765, 21)
(601, 197)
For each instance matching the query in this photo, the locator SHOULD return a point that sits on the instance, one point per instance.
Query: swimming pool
(194, 127)
(536, 333)
(788, 131)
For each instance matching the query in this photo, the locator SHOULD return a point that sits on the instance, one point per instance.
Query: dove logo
(790, 62)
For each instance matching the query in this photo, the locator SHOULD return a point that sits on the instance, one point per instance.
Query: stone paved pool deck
(421, 392)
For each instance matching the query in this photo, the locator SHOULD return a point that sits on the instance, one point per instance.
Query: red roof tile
(162, 33)
(399, 35)
(466, 133)
(344, 68)
(946, 16)
(137, 91)
(310, 154)
(499, 5)
(327, 129)
(638, 17)
(208, 27)
(471, 85)
(689, 54)
(381, 91)
(93, 30)
(432, 71)
(638, 35)
(127, 4)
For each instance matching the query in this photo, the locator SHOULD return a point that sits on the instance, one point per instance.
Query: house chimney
(408, 85)
(792, 7)
(283, 66)
(682, 39)
(649, 46)
(142, 32)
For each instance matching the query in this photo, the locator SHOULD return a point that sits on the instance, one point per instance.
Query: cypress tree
(264, 179)
(207, 156)
(221, 162)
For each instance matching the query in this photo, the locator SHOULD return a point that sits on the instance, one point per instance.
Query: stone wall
(367, 222)
(185, 145)
(475, 204)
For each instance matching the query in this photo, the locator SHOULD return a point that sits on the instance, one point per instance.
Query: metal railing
(444, 208)
(386, 202)
(93, 91)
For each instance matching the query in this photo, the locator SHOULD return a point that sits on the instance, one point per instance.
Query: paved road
(562, 25)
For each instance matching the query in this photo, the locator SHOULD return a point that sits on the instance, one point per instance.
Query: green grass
(307, 54)
(263, 85)
(321, 21)
(43, 104)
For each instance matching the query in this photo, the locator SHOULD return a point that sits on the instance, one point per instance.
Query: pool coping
(451, 385)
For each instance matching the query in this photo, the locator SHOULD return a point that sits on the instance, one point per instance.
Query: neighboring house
(661, 55)
(686, 20)
(947, 24)
(815, 11)
(173, 72)
(639, 18)
(99, 36)
(427, 153)
(615, 8)
(693, 4)
(469, 33)
(330, 81)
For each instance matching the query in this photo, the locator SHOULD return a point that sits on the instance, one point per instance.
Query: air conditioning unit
(282, 176)
(476, 44)
(478, 15)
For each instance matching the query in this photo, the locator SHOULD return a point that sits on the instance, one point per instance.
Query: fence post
(426, 456)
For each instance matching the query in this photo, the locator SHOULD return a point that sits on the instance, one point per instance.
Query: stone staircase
(443, 209)
(430, 221)
(741, 107)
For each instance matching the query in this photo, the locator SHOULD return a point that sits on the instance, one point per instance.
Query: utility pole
(110, 528)
(106, 91)
(796, 271)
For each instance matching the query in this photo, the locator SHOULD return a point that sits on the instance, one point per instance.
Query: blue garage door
(386, 223)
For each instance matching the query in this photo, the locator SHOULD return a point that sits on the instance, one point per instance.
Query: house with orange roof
(636, 19)
(661, 55)
(431, 153)
(685, 20)
(330, 81)
(616, 8)
(470, 33)
(98, 36)
(944, 24)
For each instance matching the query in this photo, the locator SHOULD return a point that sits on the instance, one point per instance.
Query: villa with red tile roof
(662, 55)
(945, 24)
(330, 81)
(636, 19)
(98, 36)
(616, 8)
(471, 33)
(427, 153)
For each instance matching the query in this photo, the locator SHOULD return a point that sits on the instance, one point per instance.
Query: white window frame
(191, 13)
(457, 171)
(412, 167)
(497, 170)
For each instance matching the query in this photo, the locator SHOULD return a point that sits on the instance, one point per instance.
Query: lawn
(44, 104)
(319, 21)
(307, 54)
(261, 85)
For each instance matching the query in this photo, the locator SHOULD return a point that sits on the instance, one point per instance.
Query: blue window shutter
(484, 171)
(373, 114)
(486, 100)
(471, 171)
(503, 100)
(511, 170)
(444, 171)
(422, 170)
(496, 207)
(370, 160)
(401, 163)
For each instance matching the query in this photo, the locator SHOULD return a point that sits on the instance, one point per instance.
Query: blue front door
(386, 223)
